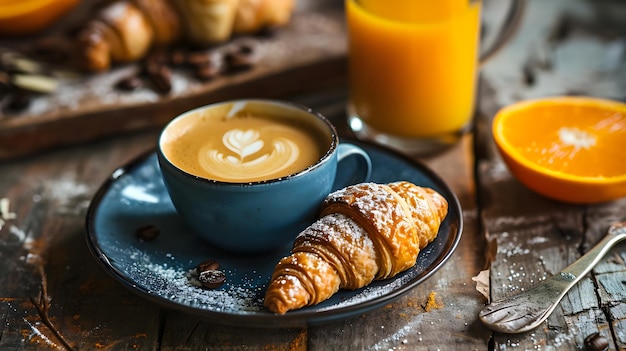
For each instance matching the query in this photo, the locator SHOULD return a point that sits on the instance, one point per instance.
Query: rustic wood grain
(562, 48)
(53, 295)
(58, 298)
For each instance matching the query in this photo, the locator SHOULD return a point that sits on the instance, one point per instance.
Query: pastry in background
(120, 33)
(164, 20)
(28, 17)
(255, 15)
(207, 21)
(125, 30)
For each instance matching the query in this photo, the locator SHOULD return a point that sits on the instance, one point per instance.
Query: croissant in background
(125, 30)
(207, 21)
(121, 33)
(365, 232)
(252, 15)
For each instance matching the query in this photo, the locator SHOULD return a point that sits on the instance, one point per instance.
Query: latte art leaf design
(242, 143)
(244, 160)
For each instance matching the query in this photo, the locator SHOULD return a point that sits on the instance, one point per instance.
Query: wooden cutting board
(309, 53)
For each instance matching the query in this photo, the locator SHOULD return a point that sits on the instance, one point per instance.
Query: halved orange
(571, 149)
(26, 17)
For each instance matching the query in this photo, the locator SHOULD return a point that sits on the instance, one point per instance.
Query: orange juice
(413, 64)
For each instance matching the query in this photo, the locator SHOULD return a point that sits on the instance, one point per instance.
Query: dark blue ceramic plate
(134, 196)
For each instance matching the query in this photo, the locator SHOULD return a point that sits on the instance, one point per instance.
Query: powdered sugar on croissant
(366, 232)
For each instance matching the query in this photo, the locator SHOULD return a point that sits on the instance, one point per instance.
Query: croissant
(365, 232)
(253, 15)
(125, 30)
(208, 21)
(214, 21)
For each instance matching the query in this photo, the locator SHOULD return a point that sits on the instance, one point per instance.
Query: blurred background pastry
(126, 30)
(207, 21)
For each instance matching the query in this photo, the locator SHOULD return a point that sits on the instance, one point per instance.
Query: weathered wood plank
(563, 47)
(532, 237)
(183, 332)
(62, 299)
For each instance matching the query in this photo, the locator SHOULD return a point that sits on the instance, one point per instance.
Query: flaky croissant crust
(365, 232)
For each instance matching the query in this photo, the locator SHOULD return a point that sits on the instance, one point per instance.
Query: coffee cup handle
(509, 27)
(364, 171)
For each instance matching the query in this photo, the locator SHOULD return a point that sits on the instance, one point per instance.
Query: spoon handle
(586, 262)
(525, 311)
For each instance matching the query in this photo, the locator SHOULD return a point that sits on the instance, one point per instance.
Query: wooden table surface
(53, 294)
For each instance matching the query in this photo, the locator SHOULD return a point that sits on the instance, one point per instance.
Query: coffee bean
(147, 233)
(267, 32)
(209, 274)
(129, 83)
(596, 342)
(19, 100)
(156, 67)
(201, 58)
(237, 62)
(212, 278)
(158, 57)
(241, 58)
(208, 265)
(161, 77)
(207, 72)
(246, 47)
(204, 63)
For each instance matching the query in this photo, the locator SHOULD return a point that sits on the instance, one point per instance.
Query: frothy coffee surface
(244, 148)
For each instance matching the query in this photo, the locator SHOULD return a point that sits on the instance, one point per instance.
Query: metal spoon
(525, 311)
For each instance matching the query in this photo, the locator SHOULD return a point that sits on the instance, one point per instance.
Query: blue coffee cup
(262, 215)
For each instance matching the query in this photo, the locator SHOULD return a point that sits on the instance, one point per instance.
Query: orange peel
(571, 149)
(27, 17)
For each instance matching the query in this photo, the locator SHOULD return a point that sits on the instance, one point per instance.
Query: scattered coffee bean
(207, 72)
(208, 265)
(161, 77)
(201, 58)
(147, 233)
(205, 64)
(19, 100)
(158, 57)
(129, 83)
(212, 279)
(596, 342)
(209, 274)
(241, 58)
(267, 32)
(157, 69)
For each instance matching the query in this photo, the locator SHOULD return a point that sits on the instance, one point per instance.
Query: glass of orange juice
(413, 68)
